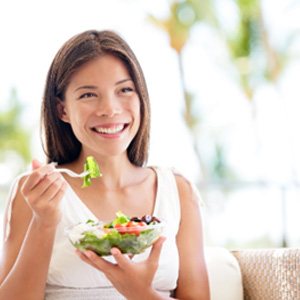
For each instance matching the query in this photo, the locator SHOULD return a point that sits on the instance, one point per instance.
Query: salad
(92, 167)
(130, 235)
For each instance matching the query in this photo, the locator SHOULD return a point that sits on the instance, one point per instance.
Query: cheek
(136, 107)
(78, 113)
(71, 115)
(76, 121)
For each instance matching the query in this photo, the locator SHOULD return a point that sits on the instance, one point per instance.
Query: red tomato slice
(134, 227)
(121, 228)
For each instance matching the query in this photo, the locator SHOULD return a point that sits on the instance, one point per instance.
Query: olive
(147, 219)
(156, 220)
(135, 219)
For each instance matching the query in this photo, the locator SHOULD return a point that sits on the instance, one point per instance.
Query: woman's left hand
(131, 279)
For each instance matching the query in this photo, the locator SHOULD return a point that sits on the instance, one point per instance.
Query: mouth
(110, 129)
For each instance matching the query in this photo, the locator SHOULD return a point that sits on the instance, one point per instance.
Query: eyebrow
(86, 87)
(123, 80)
(94, 87)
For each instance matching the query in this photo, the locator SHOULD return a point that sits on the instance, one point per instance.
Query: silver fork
(71, 173)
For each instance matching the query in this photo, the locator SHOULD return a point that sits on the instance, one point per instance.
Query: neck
(117, 171)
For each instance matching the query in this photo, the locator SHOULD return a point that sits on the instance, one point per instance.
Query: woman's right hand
(43, 190)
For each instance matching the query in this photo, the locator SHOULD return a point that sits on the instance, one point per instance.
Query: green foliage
(256, 57)
(14, 137)
(220, 170)
(184, 14)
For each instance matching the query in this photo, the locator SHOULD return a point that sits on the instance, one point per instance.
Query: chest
(135, 200)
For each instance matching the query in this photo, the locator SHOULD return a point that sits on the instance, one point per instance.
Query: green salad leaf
(93, 168)
(127, 243)
(121, 218)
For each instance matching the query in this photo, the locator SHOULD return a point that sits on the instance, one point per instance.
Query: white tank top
(70, 278)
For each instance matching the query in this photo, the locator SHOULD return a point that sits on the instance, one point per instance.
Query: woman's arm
(27, 249)
(193, 278)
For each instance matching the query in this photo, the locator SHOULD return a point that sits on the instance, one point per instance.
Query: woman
(96, 103)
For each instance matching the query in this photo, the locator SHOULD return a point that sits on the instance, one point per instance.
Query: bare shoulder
(189, 198)
(187, 191)
(182, 182)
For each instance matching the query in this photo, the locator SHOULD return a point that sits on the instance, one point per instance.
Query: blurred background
(223, 82)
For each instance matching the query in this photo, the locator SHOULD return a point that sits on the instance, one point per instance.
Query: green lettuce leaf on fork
(93, 168)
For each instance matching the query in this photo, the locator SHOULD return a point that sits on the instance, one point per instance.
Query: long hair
(59, 142)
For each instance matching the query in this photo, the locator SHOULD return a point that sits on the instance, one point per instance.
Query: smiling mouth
(111, 129)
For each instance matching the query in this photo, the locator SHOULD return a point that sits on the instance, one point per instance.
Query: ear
(61, 110)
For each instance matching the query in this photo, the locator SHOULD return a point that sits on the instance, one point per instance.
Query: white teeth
(110, 130)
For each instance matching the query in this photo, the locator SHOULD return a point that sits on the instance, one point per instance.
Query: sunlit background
(223, 78)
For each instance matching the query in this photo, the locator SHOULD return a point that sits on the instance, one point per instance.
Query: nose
(109, 106)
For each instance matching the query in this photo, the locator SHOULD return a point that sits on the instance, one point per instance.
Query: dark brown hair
(59, 142)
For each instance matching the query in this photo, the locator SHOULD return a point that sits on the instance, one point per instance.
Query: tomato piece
(131, 224)
(121, 228)
(134, 227)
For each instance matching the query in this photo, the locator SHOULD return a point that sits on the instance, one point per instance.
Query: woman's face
(102, 106)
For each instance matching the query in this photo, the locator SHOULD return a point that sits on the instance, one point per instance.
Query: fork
(71, 173)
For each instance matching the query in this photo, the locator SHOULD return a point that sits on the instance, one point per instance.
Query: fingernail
(88, 254)
(114, 251)
(52, 166)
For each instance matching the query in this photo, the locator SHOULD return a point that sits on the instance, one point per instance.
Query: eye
(87, 95)
(126, 90)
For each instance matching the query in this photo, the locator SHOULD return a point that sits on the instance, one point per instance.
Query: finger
(53, 187)
(36, 177)
(46, 188)
(56, 199)
(53, 203)
(35, 164)
(121, 259)
(84, 258)
(156, 249)
(93, 259)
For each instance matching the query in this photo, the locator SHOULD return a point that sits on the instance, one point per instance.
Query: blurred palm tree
(254, 57)
(258, 60)
(14, 137)
(183, 16)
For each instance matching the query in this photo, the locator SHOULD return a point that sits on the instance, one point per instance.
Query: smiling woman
(102, 106)
(96, 104)
(85, 85)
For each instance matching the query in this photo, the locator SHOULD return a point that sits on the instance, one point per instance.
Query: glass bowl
(130, 240)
